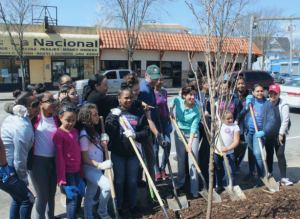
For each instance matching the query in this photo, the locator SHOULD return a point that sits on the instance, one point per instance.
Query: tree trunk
(23, 73)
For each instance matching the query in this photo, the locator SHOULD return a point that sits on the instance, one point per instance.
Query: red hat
(274, 88)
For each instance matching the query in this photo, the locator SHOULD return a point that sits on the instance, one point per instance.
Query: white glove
(104, 139)
(129, 133)
(116, 111)
(20, 110)
(105, 165)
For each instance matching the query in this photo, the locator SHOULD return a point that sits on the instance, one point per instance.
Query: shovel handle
(145, 169)
(259, 140)
(110, 177)
(186, 145)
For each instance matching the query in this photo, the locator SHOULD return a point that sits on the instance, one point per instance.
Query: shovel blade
(215, 199)
(270, 183)
(235, 193)
(174, 205)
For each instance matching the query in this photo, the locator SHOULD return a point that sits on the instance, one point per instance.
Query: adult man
(147, 95)
(66, 80)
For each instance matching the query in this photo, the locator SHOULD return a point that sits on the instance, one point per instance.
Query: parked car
(282, 78)
(290, 92)
(114, 78)
(256, 77)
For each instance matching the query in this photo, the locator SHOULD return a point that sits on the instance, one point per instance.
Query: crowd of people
(58, 140)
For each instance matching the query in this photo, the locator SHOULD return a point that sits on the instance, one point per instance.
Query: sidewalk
(7, 96)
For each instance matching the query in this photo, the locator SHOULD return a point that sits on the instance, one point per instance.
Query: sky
(84, 13)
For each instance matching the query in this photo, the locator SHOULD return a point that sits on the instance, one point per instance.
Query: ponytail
(95, 79)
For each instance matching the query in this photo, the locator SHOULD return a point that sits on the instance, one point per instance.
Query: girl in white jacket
(280, 130)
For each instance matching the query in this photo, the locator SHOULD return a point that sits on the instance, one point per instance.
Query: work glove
(129, 133)
(20, 111)
(248, 100)
(259, 134)
(105, 165)
(81, 187)
(6, 172)
(104, 139)
(116, 111)
(160, 140)
(70, 194)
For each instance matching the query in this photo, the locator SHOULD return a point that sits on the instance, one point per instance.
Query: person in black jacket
(123, 156)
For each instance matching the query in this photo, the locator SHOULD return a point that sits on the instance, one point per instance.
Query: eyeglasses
(50, 100)
(35, 104)
(67, 83)
(70, 109)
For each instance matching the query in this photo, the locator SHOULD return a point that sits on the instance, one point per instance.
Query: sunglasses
(67, 83)
(69, 109)
(35, 104)
(50, 100)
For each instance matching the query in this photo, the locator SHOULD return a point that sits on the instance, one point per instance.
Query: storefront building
(46, 58)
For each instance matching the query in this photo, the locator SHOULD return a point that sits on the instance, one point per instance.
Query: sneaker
(258, 183)
(286, 182)
(135, 210)
(63, 200)
(158, 176)
(249, 176)
(103, 216)
(164, 174)
(175, 158)
(120, 211)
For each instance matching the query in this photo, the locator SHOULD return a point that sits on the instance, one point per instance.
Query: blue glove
(5, 172)
(69, 192)
(259, 134)
(81, 187)
(170, 127)
(249, 99)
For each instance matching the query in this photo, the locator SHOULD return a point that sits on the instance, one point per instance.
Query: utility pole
(291, 48)
(251, 33)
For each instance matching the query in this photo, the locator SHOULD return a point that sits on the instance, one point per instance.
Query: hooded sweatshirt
(120, 144)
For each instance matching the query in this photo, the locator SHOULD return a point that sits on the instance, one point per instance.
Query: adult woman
(163, 127)
(280, 130)
(43, 173)
(95, 93)
(187, 117)
(264, 115)
(17, 135)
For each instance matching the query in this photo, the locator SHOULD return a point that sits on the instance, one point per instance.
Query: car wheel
(282, 81)
(266, 93)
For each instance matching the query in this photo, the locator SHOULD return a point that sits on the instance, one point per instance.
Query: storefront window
(136, 67)
(172, 70)
(10, 71)
(113, 64)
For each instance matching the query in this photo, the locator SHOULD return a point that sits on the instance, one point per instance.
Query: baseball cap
(154, 72)
(274, 88)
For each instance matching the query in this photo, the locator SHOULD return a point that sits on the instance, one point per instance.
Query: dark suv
(256, 77)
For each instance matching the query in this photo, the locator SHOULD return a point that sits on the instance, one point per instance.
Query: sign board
(42, 44)
(74, 73)
(4, 73)
(17, 62)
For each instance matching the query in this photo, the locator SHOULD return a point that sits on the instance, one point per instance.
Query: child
(68, 158)
(122, 154)
(92, 155)
(230, 134)
(69, 91)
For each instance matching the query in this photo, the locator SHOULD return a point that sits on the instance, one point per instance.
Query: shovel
(270, 182)
(234, 192)
(175, 203)
(111, 182)
(216, 197)
(146, 172)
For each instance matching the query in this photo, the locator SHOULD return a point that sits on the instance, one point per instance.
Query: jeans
(180, 150)
(254, 153)
(95, 179)
(22, 198)
(270, 145)
(43, 176)
(72, 204)
(128, 166)
(221, 168)
(166, 134)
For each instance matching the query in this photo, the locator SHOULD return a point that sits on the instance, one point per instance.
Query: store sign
(4, 73)
(40, 44)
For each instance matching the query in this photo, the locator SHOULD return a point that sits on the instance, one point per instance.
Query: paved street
(292, 155)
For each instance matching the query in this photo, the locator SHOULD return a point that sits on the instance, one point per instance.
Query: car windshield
(293, 83)
(285, 75)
